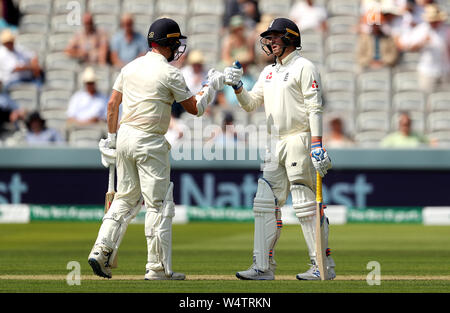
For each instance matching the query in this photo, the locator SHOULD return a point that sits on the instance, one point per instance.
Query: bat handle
(319, 197)
(112, 173)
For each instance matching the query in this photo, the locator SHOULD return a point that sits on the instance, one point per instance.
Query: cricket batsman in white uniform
(290, 92)
(146, 87)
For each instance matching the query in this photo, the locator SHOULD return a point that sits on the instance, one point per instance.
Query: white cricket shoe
(161, 275)
(255, 274)
(313, 272)
(98, 260)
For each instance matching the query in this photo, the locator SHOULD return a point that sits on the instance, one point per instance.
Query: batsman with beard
(290, 91)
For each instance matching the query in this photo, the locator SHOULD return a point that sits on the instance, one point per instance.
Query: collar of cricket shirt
(291, 56)
(156, 55)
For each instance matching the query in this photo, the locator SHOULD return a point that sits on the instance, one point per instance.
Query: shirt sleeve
(250, 100)
(118, 84)
(312, 96)
(177, 85)
(311, 88)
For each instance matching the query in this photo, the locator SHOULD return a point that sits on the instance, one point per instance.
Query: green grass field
(413, 258)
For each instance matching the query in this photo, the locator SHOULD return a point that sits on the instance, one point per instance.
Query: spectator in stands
(194, 72)
(236, 41)
(9, 15)
(248, 9)
(9, 111)
(127, 44)
(392, 18)
(17, 64)
(89, 45)
(309, 16)
(376, 49)
(87, 106)
(407, 22)
(232, 8)
(38, 133)
(404, 137)
(250, 12)
(419, 10)
(227, 135)
(336, 138)
(432, 40)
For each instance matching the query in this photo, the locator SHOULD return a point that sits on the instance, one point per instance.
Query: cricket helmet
(286, 27)
(166, 32)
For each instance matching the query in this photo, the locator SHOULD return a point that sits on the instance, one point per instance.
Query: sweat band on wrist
(239, 85)
(316, 143)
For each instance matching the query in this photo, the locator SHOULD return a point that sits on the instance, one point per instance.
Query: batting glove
(216, 79)
(233, 76)
(320, 158)
(111, 140)
(108, 154)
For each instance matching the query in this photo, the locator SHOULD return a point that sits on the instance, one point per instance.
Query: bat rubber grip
(319, 197)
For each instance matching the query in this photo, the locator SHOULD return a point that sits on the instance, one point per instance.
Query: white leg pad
(267, 224)
(158, 231)
(115, 224)
(304, 204)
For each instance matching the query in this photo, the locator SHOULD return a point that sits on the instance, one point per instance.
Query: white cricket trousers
(143, 167)
(290, 163)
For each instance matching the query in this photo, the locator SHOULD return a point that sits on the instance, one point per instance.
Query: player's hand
(233, 75)
(216, 79)
(110, 141)
(108, 154)
(321, 160)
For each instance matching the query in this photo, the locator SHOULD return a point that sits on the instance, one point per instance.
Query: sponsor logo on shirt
(286, 77)
(315, 85)
(269, 77)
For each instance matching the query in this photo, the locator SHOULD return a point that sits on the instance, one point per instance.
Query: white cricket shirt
(149, 85)
(291, 95)
(9, 60)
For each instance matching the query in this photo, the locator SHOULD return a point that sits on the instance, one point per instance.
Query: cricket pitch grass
(370, 258)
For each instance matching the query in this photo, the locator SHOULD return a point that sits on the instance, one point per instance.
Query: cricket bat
(320, 232)
(110, 197)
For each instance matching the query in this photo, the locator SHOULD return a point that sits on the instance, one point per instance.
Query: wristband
(317, 143)
(239, 85)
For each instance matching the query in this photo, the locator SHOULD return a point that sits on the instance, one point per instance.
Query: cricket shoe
(98, 260)
(161, 275)
(313, 273)
(255, 274)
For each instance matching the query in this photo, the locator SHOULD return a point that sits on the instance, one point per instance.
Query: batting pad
(158, 230)
(266, 221)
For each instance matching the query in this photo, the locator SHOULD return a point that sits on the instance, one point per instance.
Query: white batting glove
(108, 154)
(111, 141)
(320, 158)
(216, 79)
(233, 75)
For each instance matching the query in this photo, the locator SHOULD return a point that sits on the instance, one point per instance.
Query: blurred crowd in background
(384, 64)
